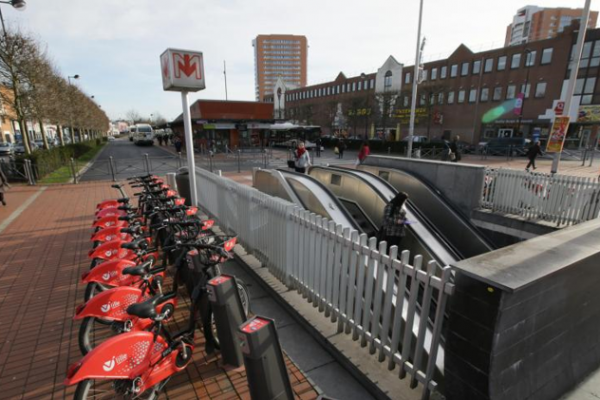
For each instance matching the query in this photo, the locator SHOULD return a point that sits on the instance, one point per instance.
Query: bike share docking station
(265, 367)
(229, 313)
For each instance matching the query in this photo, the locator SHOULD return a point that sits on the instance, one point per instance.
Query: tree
(133, 116)
(158, 119)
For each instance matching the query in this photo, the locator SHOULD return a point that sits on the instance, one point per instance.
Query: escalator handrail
(333, 197)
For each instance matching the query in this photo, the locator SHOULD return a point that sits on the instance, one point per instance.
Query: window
(464, 69)
(585, 55)
(405, 101)
(434, 74)
(546, 56)
(516, 61)
(443, 72)
(432, 99)
(359, 86)
(441, 98)
(407, 77)
(530, 59)
(354, 86)
(489, 65)
(510, 92)
(372, 83)
(497, 93)
(343, 88)
(585, 88)
(424, 75)
(476, 67)
(422, 99)
(387, 81)
(453, 71)
(595, 61)
(525, 89)
(461, 96)
(540, 89)
(485, 94)
(501, 63)
(472, 95)
(450, 97)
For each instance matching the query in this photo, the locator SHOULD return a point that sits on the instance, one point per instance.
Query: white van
(142, 134)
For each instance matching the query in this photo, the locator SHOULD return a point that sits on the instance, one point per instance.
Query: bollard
(112, 168)
(73, 170)
(229, 314)
(147, 163)
(180, 163)
(418, 153)
(583, 157)
(592, 157)
(210, 161)
(238, 161)
(389, 150)
(265, 367)
(266, 156)
(171, 181)
(218, 172)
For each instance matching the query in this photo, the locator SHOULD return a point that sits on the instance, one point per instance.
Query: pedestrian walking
(302, 158)
(318, 150)
(455, 150)
(363, 153)
(534, 151)
(177, 142)
(3, 186)
(341, 147)
(393, 227)
(160, 140)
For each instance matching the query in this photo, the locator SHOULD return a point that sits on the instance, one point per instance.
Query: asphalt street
(130, 160)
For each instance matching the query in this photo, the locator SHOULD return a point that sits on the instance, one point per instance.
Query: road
(130, 160)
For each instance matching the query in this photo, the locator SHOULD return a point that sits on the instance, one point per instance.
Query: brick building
(279, 56)
(532, 23)
(468, 94)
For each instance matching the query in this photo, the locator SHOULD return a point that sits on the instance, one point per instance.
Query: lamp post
(365, 81)
(413, 105)
(17, 5)
(527, 55)
(279, 102)
(71, 130)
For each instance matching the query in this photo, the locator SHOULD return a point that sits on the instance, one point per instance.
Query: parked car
(19, 148)
(502, 146)
(111, 139)
(417, 139)
(6, 149)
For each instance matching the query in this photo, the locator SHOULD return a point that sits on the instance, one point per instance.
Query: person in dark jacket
(534, 151)
(394, 221)
(455, 149)
(341, 147)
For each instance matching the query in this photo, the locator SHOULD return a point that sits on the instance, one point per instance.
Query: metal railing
(355, 282)
(560, 199)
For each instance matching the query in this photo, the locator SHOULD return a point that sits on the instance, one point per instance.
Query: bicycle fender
(110, 273)
(107, 222)
(124, 356)
(107, 204)
(110, 212)
(111, 251)
(110, 304)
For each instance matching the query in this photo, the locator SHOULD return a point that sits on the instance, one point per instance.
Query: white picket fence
(343, 274)
(560, 199)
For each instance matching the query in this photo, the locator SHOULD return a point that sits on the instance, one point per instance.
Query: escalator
(311, 195)
(456, 228)
(371, 194)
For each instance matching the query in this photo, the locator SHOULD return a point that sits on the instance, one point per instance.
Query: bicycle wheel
(92, 289)
(94, 331)
(118, 389)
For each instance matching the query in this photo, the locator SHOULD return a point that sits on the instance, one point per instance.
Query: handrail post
(112, 168)
(210, 160)
(238, 161)
(73, 170)
(147, 163)
(180, 163)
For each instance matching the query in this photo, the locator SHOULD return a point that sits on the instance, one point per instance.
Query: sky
(114, 45)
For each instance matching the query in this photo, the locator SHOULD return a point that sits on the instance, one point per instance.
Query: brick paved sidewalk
(42, 255)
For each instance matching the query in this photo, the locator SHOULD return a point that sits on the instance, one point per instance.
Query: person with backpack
(534, 151)
(302, 158)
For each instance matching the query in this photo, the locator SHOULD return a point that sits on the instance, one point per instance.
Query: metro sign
(182, 70)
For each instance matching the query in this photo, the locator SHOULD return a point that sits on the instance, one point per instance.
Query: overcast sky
(115, 44)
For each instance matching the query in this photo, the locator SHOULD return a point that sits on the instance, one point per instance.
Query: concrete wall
(524, 321)
(461, 184)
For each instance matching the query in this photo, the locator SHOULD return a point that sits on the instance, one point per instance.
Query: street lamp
(17, 5)
(279, 102)
(363, 77)
(413, 105)
(71, 130)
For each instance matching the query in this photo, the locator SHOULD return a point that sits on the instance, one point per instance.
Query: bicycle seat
(145, 309)
(130, 246)
(138, 270)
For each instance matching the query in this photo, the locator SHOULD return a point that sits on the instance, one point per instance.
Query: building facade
(471, 95)
(533, 23)
(279, 56)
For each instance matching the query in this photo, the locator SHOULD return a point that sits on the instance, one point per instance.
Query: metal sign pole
(189, 146)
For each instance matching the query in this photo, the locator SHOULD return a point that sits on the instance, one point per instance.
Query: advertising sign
(518, 104)
(588, 114)
(182, 70)
(558, 133)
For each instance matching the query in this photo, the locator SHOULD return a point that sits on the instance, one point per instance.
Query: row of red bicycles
(144, 259)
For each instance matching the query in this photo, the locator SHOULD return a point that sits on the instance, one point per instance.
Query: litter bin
(183, 184)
